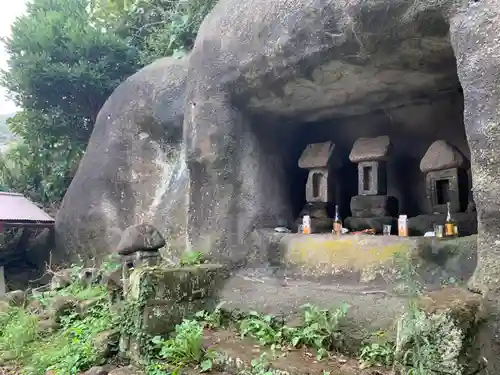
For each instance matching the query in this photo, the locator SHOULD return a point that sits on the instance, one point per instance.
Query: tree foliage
(60, 61)
(65, 58)
(157, 28)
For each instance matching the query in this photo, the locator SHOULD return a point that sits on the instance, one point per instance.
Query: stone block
(377, 223)
(318, 155)
(447, 327)
(365, 206)
(177, 284)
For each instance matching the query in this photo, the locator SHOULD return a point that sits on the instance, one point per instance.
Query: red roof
(16, 208)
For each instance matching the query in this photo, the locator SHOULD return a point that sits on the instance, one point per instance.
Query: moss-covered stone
(160, 318)
(160, 298)
(464, 307)
(440, 332)
(371, 259)
(176, 284)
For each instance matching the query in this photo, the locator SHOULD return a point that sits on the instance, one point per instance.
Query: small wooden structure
(18, 212)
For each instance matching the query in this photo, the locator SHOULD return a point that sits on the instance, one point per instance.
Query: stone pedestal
(373, 206)
(377, 223)
(466, 223)
(318, 212)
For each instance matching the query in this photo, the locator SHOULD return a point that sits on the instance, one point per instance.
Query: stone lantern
(372, 201)
(320, 159)
(139, 246)
(445, 178)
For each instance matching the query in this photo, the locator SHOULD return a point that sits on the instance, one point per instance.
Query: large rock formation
(308, 61)
(133, 170)
(259, 74)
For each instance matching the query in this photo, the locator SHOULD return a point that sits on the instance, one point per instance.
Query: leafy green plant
(262, 366)
(215, 319)
(185, 347)
(377, 354)
(267, 329)
(319, 329)
(191, 258)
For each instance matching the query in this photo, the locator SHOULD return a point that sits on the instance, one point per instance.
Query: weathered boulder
(105, 343)
(133, 170)
(140, 237)
(98, 370)
(61, 279)
(62, 306)
(15, 298)
(89, 276)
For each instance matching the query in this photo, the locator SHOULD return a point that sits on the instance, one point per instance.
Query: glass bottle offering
(450, 227)
(337, 223)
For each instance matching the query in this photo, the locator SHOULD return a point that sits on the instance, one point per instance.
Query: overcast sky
(7, 15)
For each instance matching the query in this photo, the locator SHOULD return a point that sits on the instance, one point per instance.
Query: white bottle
(403, 225)
(306, 224)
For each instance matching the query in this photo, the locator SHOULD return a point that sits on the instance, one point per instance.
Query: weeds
(266, 329)
(377, 354)
(72, 349)
(185, 348)
(191, 258)
(319, 330)
(262, 366)
(216, 319)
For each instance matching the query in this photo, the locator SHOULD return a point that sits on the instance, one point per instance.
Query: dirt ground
(294, 361)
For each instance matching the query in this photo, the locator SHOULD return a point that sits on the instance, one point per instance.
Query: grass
(67, 351)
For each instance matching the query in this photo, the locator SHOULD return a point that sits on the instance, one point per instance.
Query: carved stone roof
(370, 149)
(317, 155)
(441, 155)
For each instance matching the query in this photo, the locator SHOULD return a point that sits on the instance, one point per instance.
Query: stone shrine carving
(443, 165)
(371, 155)
(320, 159)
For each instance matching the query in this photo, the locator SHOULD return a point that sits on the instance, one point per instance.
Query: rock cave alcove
(378, 114)
(376, 160)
